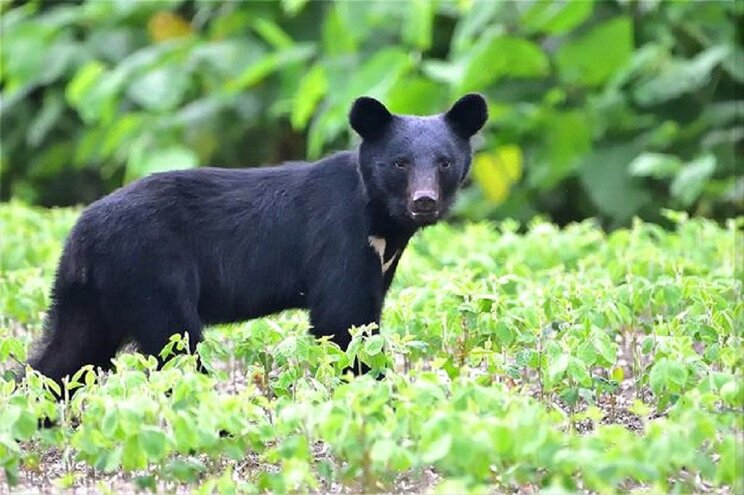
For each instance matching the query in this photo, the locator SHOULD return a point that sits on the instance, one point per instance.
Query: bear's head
(412, 166)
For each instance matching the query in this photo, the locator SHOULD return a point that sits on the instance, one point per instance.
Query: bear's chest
(387, 250)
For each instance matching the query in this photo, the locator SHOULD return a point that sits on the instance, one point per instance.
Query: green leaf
(185, 470)
(592, 58)
(57, 60)
(153, 442)
(293, 7)
(133, 456)
(382, 450)
(677, 77)
(504, 334)
(121, 133)
(656, 165)
(269, 64)
(497, 172)
(566, 138)
(378, 74)
(311, 90)
(691, 180)
(728, 471)
(570, 395)
(10, 346)
(110, 423)
(578, 371)
(374, 345)
(416, 95)
(375, 78)
(734, 63)
(93, 91)
(148, 161)
(606, 180)
(160, 89)
(556, 16)
(353, 349)
(605, 347)
(146, 483)
(640, 408)
(23, 51)
(667, 376)
(732, 393)
(272, 33)
(558, 366)
(502, 56)
(83, 81)
(587, 353)
(435, 449)
(338, 38)
(417, 30)
(477, 19)
(66, 481)
(46, 119)
(25, 425)
(450, 73)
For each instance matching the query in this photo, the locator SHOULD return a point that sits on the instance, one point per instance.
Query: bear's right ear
(369, 117)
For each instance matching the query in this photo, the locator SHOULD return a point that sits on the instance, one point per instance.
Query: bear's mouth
(425, 217)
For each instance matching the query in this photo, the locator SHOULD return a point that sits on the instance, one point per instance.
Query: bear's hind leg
(151, 318)
(152, 337)
(76, 335)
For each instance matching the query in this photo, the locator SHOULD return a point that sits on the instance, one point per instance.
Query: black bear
(179, 250)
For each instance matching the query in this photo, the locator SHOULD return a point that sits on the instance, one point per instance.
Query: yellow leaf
(497, 171)
(166, 25)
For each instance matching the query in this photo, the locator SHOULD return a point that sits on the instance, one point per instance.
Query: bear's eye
(445, 162)
(400, 163)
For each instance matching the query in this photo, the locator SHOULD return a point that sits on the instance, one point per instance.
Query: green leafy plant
(607, 109)
(555, 359)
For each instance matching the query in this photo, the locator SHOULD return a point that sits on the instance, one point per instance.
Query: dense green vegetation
(519, 356)
(599, 108)
(558, 359)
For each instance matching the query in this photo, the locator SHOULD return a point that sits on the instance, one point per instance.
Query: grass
(554, 360)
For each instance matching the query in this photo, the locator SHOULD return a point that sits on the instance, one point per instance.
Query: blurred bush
(607, 109)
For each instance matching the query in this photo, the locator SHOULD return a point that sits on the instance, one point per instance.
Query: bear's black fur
(179, 250)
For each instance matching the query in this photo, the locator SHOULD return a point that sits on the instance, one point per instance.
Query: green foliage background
(599, 108)
(516, 350)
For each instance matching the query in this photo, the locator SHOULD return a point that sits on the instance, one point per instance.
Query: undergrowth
(560, 360)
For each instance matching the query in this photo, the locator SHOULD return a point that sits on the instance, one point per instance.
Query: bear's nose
(424, 202)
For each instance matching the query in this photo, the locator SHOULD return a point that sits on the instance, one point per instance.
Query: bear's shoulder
(337, 173)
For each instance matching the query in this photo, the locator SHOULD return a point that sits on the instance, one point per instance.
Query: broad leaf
(676, 77)
(556, 16)
(148, 161)
(656, 165)
(313, 87)
(160, 89)
(502, 56)
(591, 59)
(496, 172)
(691, 180)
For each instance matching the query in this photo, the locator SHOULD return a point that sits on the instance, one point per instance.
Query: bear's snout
(424, 205)
(426, 201)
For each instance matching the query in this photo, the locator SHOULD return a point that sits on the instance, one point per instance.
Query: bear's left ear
(467, 115)
(369, 117)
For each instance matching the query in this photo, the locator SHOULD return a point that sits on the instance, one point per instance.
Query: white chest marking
(378, 244)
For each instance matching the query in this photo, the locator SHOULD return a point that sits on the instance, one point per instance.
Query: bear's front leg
(352, 297)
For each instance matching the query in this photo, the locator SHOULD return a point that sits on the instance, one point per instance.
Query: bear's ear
(467, 115)
(369, 117)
